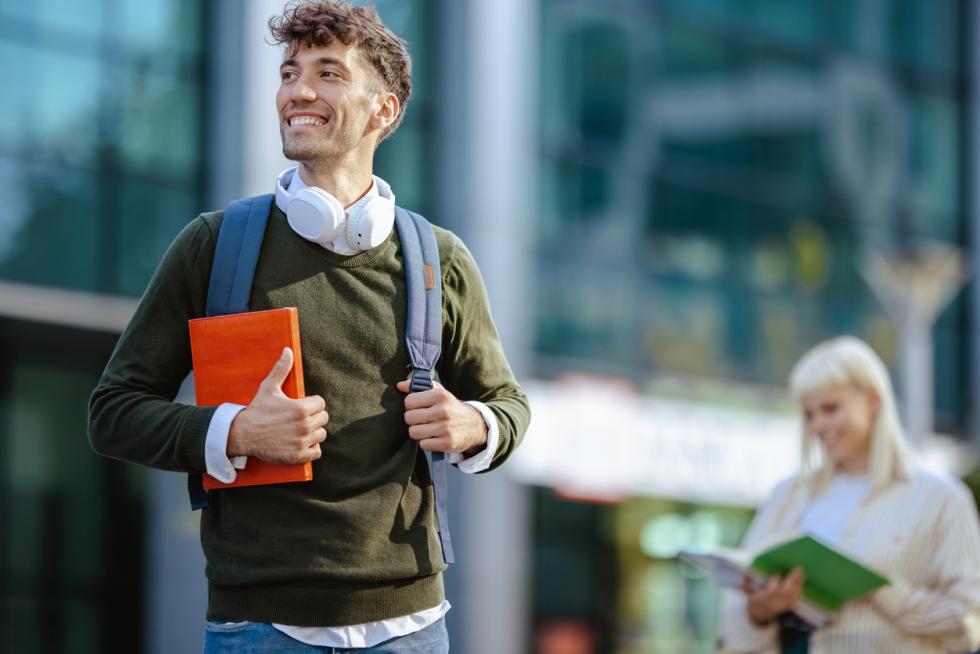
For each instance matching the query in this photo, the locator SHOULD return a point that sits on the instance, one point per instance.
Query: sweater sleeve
(472, 365)
(131, 413)
(949, 609)
(739, 634)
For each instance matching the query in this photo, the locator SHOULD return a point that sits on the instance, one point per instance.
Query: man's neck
(346, 184)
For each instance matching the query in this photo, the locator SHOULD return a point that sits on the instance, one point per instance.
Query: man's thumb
(280, 371)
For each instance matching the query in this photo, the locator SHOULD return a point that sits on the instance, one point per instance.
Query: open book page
(729, 567)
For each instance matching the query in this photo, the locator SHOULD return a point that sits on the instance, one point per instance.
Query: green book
(831, 577)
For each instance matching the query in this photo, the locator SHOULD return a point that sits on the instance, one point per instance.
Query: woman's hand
(779, 595)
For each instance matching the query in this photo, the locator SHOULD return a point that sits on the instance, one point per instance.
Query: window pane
(52, 235)
(160, 26)
(159, 126)
(51, 103)
(153, 214)
(56, 16)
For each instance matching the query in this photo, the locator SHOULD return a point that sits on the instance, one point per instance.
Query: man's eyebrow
(333, 61)
(322, 61)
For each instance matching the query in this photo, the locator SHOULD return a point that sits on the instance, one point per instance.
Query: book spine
(299, 387)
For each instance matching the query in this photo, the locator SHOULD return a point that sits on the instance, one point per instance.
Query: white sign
(605, 441)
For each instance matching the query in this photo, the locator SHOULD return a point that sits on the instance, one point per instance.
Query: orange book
(231, 356)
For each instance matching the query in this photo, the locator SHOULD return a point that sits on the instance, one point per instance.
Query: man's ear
(386, 108)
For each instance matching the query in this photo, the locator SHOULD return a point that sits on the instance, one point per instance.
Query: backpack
(235, 257)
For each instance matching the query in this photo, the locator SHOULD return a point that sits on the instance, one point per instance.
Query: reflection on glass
(740, 156)
(160, 26)
(62, 17)
(104, 98)
(51, 236)
(150, 210)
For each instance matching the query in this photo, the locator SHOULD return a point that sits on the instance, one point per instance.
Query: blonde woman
(859, 490)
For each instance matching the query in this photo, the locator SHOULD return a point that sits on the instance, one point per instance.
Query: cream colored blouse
(922, 533)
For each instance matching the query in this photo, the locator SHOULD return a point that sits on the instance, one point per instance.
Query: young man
(353, 558)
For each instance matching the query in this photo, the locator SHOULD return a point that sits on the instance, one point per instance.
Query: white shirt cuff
(481, 460)
(216, 445)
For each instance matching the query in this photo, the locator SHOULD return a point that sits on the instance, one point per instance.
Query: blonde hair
(849, 361)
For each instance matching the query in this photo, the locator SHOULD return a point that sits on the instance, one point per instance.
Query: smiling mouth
(306, 121)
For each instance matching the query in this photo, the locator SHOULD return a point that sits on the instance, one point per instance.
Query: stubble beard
(304, 150)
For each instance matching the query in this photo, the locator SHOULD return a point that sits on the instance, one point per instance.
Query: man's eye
(286, 76)
(328, 73)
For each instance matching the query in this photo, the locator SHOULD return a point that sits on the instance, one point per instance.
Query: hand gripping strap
(422, 381)
(423, 334)
(235, 256)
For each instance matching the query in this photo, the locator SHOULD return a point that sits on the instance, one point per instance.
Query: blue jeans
(263, 638)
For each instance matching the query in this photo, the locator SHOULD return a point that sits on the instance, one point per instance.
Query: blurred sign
(601, 439)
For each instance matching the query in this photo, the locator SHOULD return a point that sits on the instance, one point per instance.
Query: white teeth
(305, 120)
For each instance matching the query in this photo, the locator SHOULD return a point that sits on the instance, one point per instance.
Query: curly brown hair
(318, 22)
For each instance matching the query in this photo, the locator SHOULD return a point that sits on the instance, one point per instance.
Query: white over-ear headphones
(318, 216)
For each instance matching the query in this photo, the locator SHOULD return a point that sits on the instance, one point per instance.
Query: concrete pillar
(487, 188)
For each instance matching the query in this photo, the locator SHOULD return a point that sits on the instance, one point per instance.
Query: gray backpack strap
(423, 334)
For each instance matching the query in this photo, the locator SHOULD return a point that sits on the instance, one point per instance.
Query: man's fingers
(425, 399)
(317, 420)
(279, 372)
(426, 415)
(435, 444)
(405, 385)
(423, 432)
(312, 404)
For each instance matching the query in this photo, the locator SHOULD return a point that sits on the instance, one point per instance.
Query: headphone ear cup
(316, 215)
(372, 225)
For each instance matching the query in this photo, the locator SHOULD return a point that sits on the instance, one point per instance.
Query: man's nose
(303, 91)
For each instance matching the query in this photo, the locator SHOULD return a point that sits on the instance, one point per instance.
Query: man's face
(325, 102)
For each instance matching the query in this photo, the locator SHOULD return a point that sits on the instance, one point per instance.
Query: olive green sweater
(359, 543)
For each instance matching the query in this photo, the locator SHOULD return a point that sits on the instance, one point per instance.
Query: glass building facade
(716, 172)
(716, 176)
(100, 140)
(101, 163)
